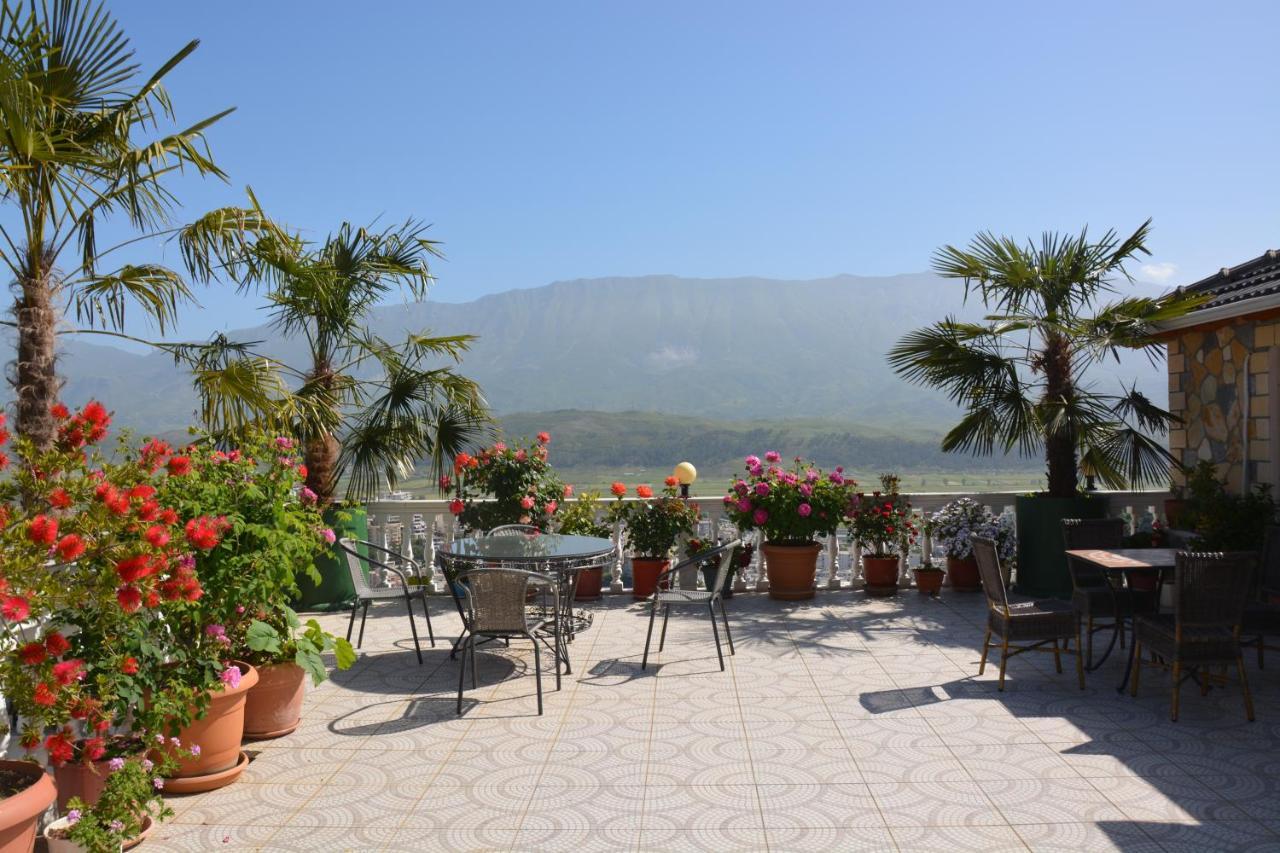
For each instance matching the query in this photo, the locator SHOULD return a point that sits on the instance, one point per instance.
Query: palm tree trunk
(1059, 445)
(35, 379)
(321, 451)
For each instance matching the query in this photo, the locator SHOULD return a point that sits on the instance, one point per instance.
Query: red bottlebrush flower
(43, 695)
(70, 547)
(59, 411)
(149, 511)
(59, 499)
(456, 506)
(103, 491)
(202, 533)
(618, 489)
(4, 461)
(95, 748)
(544, 438)
(95, 413)
(644, 491)
(128, 598)
(157, 535)
(43, 530)
(191, 589)
(56, 644)
(142, 491)
(15, 608)
(60, 747)
(133, 568)
(68, 671)
(32, 654)
(169, 517)
(179, 466)
(151, 600)
(129, 666)
(118, 503)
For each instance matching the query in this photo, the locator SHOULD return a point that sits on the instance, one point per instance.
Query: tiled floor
(841, 724)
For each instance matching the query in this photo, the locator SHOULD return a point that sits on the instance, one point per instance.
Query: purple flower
(753, 462)
(773, 456)
(805, 510)
(762, 489)
(760, 516)
(158, 783)
(73, 817)
(115, 764)
(117, 826)
(231, 676)
(147, 765)
(195, 749)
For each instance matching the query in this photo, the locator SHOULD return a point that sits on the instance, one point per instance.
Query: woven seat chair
(366, 595)
(1262, 613)
(668, 598)
(1099, 603)
(494, 608)
(1210, 591)
(1028, 626)
(514, 530)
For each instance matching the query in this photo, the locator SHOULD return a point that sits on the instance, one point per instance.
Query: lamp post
(685, 474)
(1086, 468)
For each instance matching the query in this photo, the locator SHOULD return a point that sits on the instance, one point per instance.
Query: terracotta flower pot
(218, 734)
(590, 582)
(791, 570)
(644, 575)
(880, 574)
(273, 707)
(85, 781)
(929, 581)
(963, 574)
(20, 812)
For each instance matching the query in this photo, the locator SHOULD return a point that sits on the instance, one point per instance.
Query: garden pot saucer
(147, 826)
(288, 730)
(207, 782)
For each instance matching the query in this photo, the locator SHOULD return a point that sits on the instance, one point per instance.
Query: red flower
(56, 644)
(68, 671)
(152, 599)
(95, 413)
(70, 547)
(644, 491)
(129, 666)
(671, 482)
(118, 503)
(157, 535)
(32, 654)
(142, 491)
(44, 695)
(59, 499)
(169, 517)
(544, 438)
(95, 748)
(456, 506)
(60, 747)
(133, 568)
(179, 466)
(202, 533)
(43, 530)
(446, 483)
(129, 598)
(15, 608)
(618, 489)
(59, 411)
(149, 511)
(4, 461)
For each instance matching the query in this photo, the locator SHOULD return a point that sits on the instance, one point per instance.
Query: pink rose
(328, 535)
(760, 517)
(762, 489)
(551, 507)
(773, 456)
(526, 502)
(744, 505)
(499, 448)
(753, 461)
(521, 456)
(806, 489)
(231, 676)
(805, 510)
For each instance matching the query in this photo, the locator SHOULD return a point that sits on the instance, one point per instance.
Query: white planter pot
(60, 845)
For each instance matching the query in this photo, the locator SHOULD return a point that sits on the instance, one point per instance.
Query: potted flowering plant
(709, 568)
(954, 527)
(505, 485)
(654, 525)
(127, 807)
(882, 522)
(580, 517)
(790, 507)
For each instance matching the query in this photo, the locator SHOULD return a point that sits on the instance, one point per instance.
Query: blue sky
(559, 140)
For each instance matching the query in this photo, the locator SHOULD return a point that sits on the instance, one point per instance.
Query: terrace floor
(841, 724)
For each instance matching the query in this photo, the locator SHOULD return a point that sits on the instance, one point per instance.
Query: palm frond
(156, 290)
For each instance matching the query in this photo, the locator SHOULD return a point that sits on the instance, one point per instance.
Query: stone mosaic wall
(1219, 380)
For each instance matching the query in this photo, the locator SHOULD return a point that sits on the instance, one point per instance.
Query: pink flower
(328, 535)
(115, 764)
(231, 676)
(805, 510)
(837, 478)
(755, 470)
(762, 489)
(525, 519)
(753, 461)
(526, 502)
(740, 487)
(789, 478)
(307, 496)
(811, 476)
(195, 749)
(551, 507)
(284, 443)
(760, 517)
(158, 783)
(806, 489)
(544, 438)
(568, 491)
(521, 456)
(773, 456)
(744, 505)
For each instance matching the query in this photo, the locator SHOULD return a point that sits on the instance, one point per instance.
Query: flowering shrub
(654, 524)
(131, 793)
(883, 519)
(958, 521)
(506, 485)
(792, 505)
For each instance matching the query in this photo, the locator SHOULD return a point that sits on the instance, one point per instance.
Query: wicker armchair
(1099, 603)
(1262, 613)
(668, 598)
(1210, 591)
(514, 530)
(1031, 625)
(494, 608)
(366, 595)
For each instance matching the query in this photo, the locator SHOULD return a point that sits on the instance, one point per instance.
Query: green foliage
(1224, 521)
(129, 795)
(882, 520)
(792, 505)
(507, 485)
(656, 523)
(581, 517)
(307, 645)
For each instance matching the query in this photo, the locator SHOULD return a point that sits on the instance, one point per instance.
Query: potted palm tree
(1019, 375)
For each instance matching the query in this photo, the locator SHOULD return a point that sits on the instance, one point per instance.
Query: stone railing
(417, 528)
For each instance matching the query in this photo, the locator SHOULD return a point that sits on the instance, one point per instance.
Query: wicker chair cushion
(1035, 620)
(1200, 643)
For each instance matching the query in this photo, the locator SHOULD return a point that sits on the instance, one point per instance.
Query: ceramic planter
(709, 578)
(218, 733)
(20, 812)
(929, 581)
(880, 574)
(85, 781)
(273, 707)
(590, 582)
(1042, 563)
(644, 575)
(791, 569)
(962, 573)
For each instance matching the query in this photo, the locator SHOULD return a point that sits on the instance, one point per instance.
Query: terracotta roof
(1236, 286)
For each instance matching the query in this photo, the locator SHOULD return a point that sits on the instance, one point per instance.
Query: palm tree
(1021, 374)
(69, 161)
(363, 408)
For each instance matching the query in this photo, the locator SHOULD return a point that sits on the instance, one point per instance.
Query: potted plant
(791, 507)
(928, 576)
(954, 526)
(26, 792)
(286, 652)
(709, 568)
(654, 525)
(580, 517)
(882, 522)
(506, 484)
(129, 804)
(1021, 376)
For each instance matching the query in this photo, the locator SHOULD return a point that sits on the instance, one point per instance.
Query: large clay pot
(590, 582)
(791, 570)
(85, 781)
(218, 733)
(20, 812)
(273, 708)
(929, 581)
(644, 575)
(880, 574)
(962, 572)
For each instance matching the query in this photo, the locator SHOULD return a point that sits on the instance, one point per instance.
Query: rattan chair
(514, 530)
(668, 598)
(1262, 613)
(1099, 603)
(366, 595)
(1210, 591)
(1031, 625)
(495, 609)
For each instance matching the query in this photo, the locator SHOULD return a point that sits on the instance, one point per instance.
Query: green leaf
(261, 637)
(345, 653)
(312, 663)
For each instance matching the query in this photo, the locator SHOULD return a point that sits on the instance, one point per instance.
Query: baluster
(615, 585)
(429, 551)
(833, 560)
(1132, 525)
(855, 562)
(762, 576)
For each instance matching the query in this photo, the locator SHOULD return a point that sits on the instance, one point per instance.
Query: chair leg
(351, 624)
(1120, 630)
(1137, 667)
(364, 614)
(986, 645)
(431, 635)
(1262, 644)
(1079, 659)
(715, 632)
(471, 653)
(653, 612)
(1244, 685)
(1177, 689)
(728, 636)
(462, 672)
(1057, 656)
(1004, 661)
(413, 628)
(537, 671)
(1089, 640)
(662, 638)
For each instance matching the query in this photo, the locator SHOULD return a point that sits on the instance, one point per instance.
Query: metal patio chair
(494, 609)
(1093, 595)
(1032, 625)
(668, 598)
(1210, 592)
(366, 595)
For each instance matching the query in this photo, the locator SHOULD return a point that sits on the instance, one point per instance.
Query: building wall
(1219, 379)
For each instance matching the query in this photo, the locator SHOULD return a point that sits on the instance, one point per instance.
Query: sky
(560, 140)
